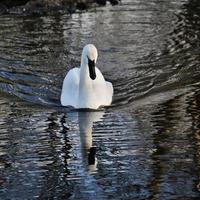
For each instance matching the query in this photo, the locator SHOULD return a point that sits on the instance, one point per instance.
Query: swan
(85, 87)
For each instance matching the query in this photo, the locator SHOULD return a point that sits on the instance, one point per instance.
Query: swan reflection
(86, 121)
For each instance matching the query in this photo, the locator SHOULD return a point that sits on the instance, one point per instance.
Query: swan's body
(85, 87)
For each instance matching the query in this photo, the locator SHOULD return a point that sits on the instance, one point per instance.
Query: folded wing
(70, 88)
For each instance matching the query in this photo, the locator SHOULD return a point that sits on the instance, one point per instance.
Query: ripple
(35, 62)
(146, 143)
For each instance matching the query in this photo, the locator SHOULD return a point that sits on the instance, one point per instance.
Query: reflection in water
(87, 160)
(167, 120)
(86, 120)
(194, 112)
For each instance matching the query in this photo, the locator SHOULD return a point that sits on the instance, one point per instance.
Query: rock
(13, 3)
(101, 2)
(35, 7)
(43, 7)
(82, 5)
(114, 2)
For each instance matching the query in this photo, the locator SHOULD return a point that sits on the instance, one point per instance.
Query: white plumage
(85, 87)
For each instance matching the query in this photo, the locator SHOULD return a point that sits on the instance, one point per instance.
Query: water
(147, 142)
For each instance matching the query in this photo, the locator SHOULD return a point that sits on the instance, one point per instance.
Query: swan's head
(89, 58)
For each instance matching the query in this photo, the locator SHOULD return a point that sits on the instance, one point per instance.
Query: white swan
(85, 87)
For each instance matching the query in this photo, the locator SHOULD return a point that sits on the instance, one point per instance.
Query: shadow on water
(145, 146)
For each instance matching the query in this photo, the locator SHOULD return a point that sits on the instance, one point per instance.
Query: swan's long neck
(85, 85)
(84, 72)
(85, 80)
(85, 126)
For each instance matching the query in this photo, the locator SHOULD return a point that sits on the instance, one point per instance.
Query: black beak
(91, 156)
(91, 64)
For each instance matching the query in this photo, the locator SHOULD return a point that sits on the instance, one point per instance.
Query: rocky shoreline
(42, 7)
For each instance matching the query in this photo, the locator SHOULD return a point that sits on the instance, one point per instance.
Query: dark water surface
(147, 143)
